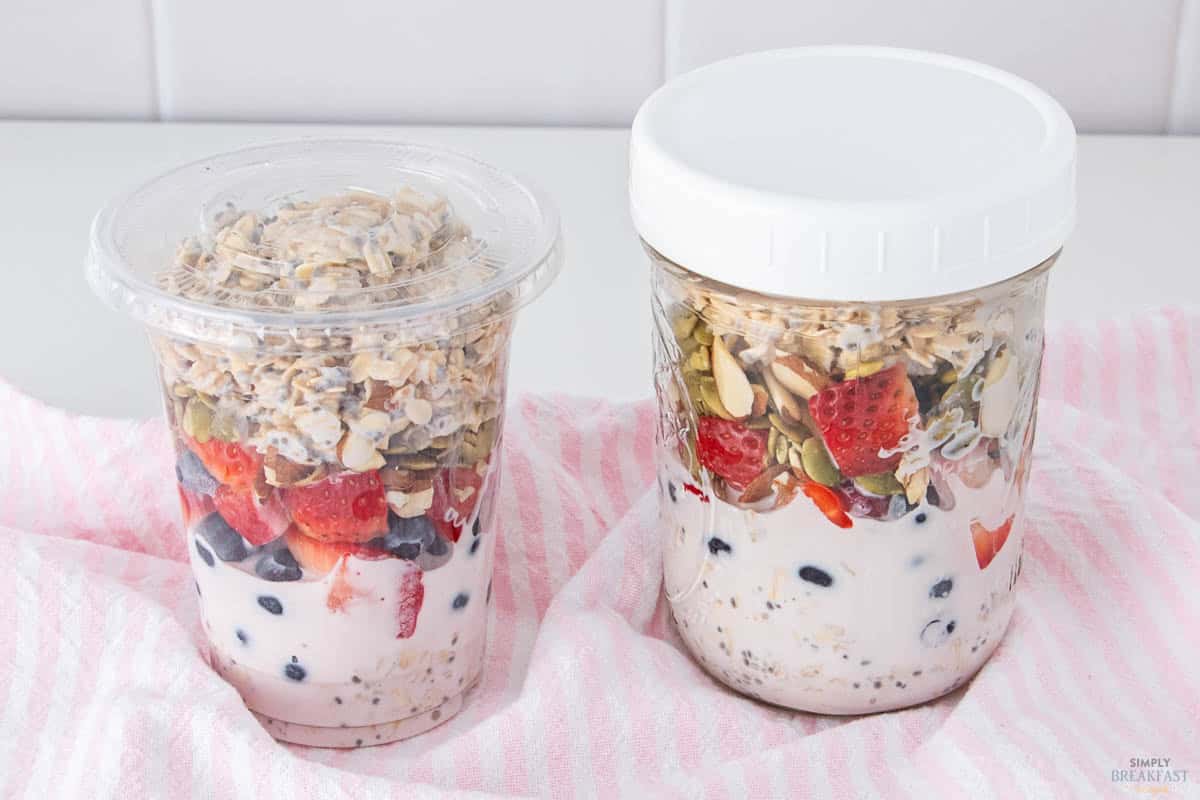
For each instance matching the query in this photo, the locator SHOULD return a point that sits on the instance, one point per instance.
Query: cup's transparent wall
(843, 484)
(337, 499)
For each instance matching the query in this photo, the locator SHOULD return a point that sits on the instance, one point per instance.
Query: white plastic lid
(853, 173)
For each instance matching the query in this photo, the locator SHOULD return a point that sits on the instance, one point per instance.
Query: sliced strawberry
(318, 557)
(829, 502)
(412, 595)
(257, 522)
(341, 591)
(350, 507)
(194, 506)
(859, 418)
(731, 450)
(228, 462)
(692, 488)
(455, 495)
(988, 542)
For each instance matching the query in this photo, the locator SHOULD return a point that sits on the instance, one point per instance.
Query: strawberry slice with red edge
(731, 450)
(456, 494)
(859, 418)
(257, 521)
(194, 506)
(350, 507)
(412, 596)
(319, 558)
(228, 462)
(988, 542)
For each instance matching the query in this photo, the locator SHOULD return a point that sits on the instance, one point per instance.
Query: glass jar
(331, 322)
(843, 484)
(846, 416)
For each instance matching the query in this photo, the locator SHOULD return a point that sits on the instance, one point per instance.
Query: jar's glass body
(842, 484)
(338, 506)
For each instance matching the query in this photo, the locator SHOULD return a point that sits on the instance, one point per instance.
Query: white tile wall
(1118, 65)
(1108, 61)
(489, 61)
(66, 58)
(1185, 101)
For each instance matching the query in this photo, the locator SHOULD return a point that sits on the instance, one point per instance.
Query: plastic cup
(331, 321)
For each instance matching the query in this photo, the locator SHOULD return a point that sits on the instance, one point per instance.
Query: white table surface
(1135, 246)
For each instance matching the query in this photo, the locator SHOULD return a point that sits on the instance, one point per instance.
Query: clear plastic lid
(318, 243)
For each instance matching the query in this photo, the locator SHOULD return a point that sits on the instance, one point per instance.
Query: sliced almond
(915, 485)
(283, 472)
(378, 395)
(761, 486)
(358, 454)
(410, 504)
(784, 401)
(733, 386)
(797, 376)
(418, 410)
(760, 400)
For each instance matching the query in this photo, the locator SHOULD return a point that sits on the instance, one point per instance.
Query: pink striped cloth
(587, 691)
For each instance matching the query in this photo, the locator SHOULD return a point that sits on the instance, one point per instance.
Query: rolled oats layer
(348, 403)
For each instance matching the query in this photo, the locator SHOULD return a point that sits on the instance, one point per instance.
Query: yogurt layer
(789, 610)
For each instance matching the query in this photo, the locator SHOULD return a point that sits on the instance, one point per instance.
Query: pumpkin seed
(880, 483)
(712, 399)
(795, 433)
(413, 461)
(197, 419)
(683, 323)
(224, 427)
(782, 448)
(703, 334)
(700, 360)
(863, 368)
(818, 464)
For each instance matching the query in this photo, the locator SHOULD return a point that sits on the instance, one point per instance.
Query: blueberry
(438, 547)
(241, 636)
(227, 543)
(436, 553)
(270, 603)
(278, 565)
(671, 492)
(717, 546)
(474, 546)
(191, 474)
(942, 588)
(460, 601)
(936, 632)
(406, 550)
(295, 672)
(403, 530)
(206, 555)
(816, 575)
(920, 518)
(476, 529)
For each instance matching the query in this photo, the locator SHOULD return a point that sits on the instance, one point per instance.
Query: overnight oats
(332, 344)
(846, 366)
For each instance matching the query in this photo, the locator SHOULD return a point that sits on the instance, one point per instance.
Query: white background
(1117, 65)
